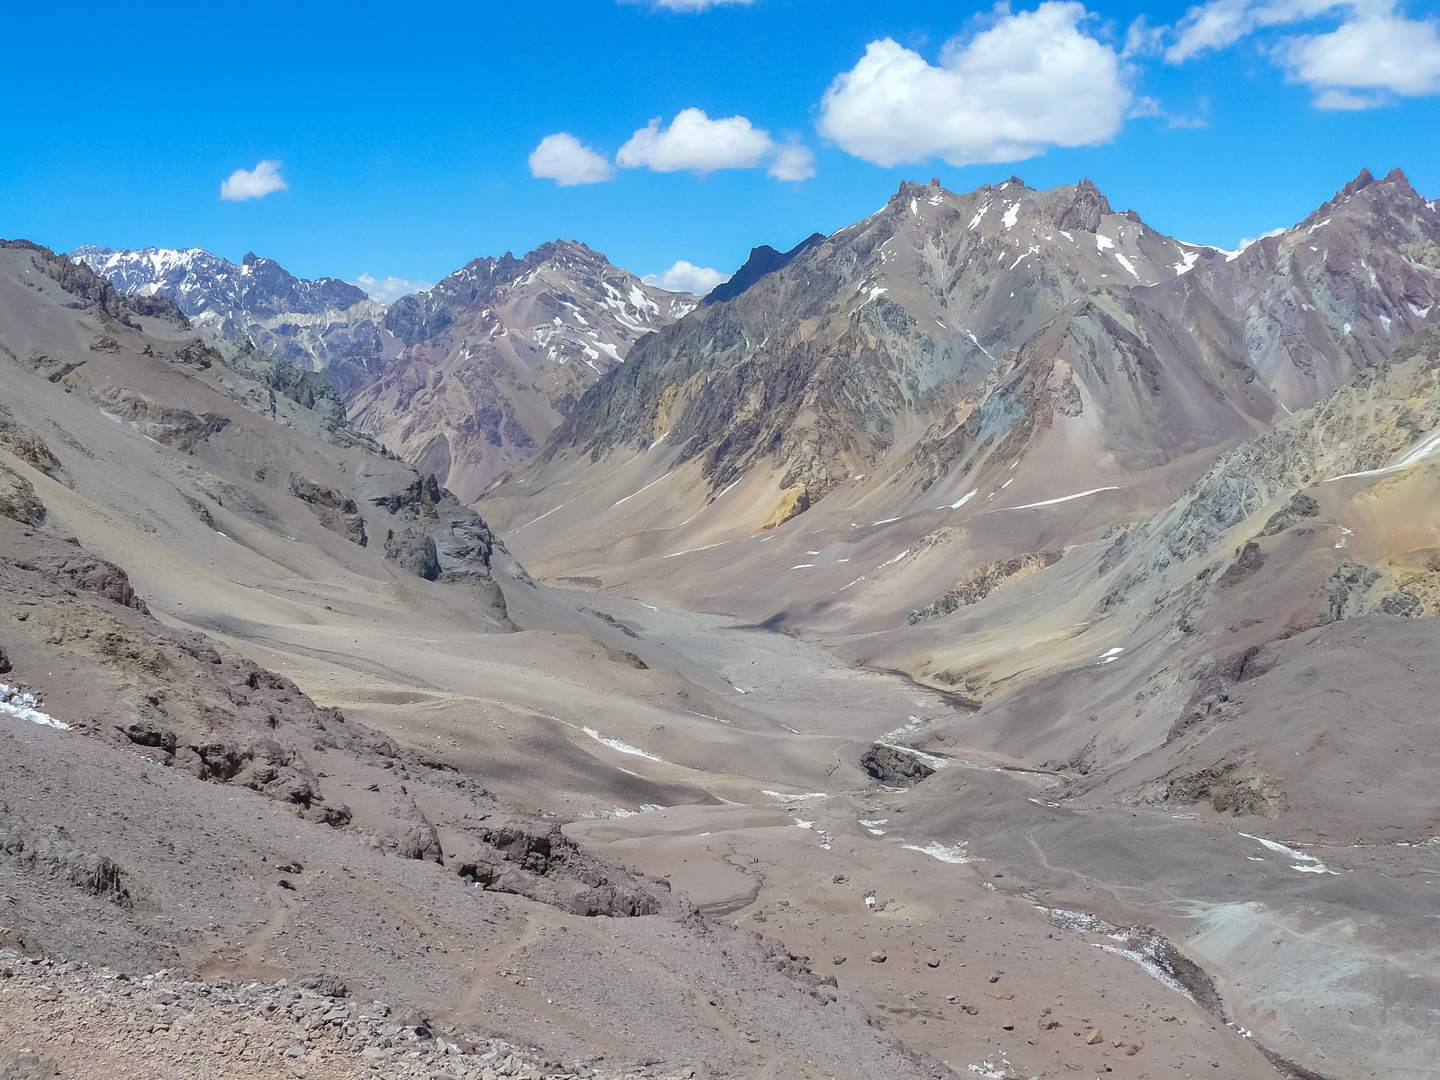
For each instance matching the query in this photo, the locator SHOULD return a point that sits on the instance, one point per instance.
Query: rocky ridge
(949, 334)
(496, 354)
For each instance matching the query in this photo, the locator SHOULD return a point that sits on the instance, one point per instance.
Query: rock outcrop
(982, 581)
(18, 500)
(894, 765)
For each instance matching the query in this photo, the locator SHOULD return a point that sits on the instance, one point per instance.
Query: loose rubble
(63, 1018)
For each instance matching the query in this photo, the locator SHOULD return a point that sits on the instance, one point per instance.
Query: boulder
(893, 766)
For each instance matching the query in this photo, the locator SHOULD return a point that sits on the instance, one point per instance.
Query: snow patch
(964, 499)
(22, 707)
(956, 853)
(1315, 865)
(873, 292)
(1417, 453)
(1143, 949)
(1011, 216)
(1128, 265)
(1053, 502)
(907, 728)
(1102, 242)
(687, 551)
(616, 744)
(646, 488)
(1148, 962)
(781, 797)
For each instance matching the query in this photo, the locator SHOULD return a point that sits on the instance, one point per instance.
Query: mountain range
(465, 379)
(313, 324)
(995, 591)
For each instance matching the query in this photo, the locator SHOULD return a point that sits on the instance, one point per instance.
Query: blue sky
(404, 136)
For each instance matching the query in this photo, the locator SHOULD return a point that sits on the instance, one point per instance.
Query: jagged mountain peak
(497, 353)
(200, 281)
(312, 323)
(1365, 193)
(762, 260)
(557, 264)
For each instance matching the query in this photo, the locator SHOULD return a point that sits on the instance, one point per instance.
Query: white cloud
(687, 277)
(1377, 52)
(1029, 81)
(792, 161)
(1246, 241)
(1373, 49)
(253, 183)
(695, 142)
(390, 288)
(1221, 23)
(566, 160)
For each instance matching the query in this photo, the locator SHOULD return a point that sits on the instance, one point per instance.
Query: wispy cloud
(391, 288)
(792, 161)
(688, 5)
(566, 160)
(253, 183)
(1374, 55)
(1028, 81)
(687, 277)
(1221, 23)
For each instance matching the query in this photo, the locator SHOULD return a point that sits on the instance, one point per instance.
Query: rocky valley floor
(809, 921)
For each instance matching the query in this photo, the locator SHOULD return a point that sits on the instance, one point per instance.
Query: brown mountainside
(497, 354)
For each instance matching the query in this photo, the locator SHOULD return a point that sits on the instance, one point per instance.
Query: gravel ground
(71, 1019)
